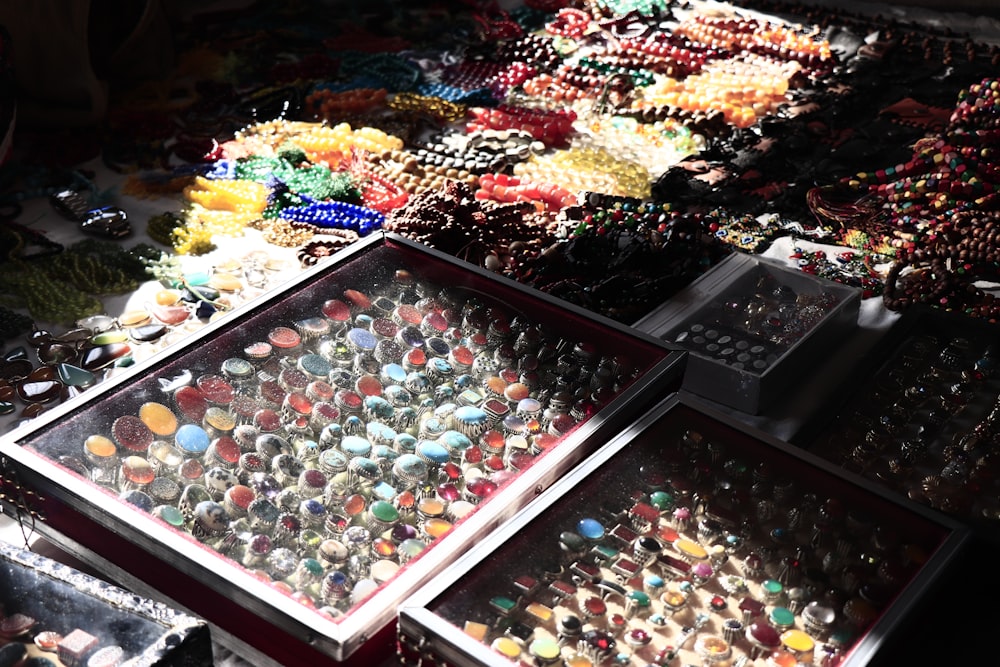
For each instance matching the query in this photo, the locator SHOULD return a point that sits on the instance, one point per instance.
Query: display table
(598, 161)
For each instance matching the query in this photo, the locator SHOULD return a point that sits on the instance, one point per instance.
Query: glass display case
(687, 540)
(52, 612)
(296, 469)
(750, 325)
(920, 416)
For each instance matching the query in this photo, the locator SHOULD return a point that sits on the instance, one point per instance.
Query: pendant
(96, 323)
(110, 337)
(100, 357)
(148, 333)
(56, 353)
(171, 315)
(74, 376)
(39, 391)
(15, 369)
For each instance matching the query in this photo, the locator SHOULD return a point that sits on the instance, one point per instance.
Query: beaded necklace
(743, 89)
(536, 51)
(409, 175)
(570, 23)
(234, 195)
(333, 145)
(63, 288)
(377, 192)
(283, 183)
(738, 35)
(623, 265)
(161, 227)
(13, 323)
(670, 54)
(509, 79)
(568, 85)
(330, 105)
(937, 211)
(644, 7)
(847, 268)
(311, 180)
(321, 143)
(438, 108)
(657, 146)
(933, 285)
(587, 168)
(602, 213)
(504, 188)
(471, 74)
(477, 152)
(15, 238)
(606, 65)
(441, 218)
(194, 236)
(89, 274)
(334, 214)
(460, 97)
(315, 251)
(497, 26)
(283, 233)
(46, 299)
(131, 263)
(549, 126)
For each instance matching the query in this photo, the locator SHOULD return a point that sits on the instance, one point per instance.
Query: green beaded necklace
(46, 299)
(644, 7)
(89, 274)
(312, 180)
(62, 289)
(161, 228)
(131, 263)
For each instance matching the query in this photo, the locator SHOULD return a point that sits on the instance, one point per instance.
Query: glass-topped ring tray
(319, 455)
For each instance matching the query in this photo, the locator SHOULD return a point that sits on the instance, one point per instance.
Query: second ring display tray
(921, 417)
(687, 540)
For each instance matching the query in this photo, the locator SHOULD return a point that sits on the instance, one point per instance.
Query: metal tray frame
(181, 640)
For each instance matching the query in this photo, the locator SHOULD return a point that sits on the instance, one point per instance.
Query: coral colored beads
(503, 188)
(550, 127)
(331, 105)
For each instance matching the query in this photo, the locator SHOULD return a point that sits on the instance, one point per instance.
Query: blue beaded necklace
(335, 215)
(472, 96)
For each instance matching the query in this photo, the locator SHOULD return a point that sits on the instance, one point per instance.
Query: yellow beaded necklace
(238, 196)
(587, 169)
